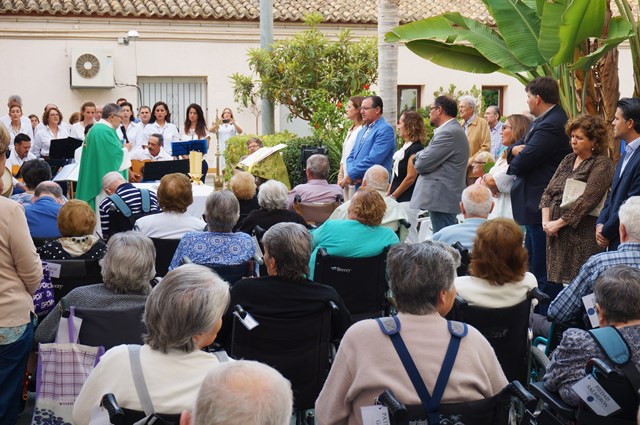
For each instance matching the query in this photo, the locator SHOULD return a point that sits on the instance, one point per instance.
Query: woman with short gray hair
(127, 270)
(183, 315)
(273, 201)
(286, 292)
(421, 278)
(219, 245)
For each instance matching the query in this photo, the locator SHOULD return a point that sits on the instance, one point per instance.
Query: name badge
(54, 269)
(249, 322)
(589, 302)
(375, 415)
(592, 393)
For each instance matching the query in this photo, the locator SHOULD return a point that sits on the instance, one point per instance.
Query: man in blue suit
(375, 143)
(626, 179)
(533, 160)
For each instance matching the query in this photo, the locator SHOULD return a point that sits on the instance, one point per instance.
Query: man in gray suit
(442, 166)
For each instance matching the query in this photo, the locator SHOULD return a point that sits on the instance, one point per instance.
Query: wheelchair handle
(116, 415)
(518, 390)
(396, 408)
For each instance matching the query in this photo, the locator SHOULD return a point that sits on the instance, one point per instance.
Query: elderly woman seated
(33, 173)
(498, 270)
(286, 292)
(273, 201)
(617, 296)
(174, 197)
(219, 245)
(127, 270)
(243, 186)
(421, 278)
(76, 222)
(183, 314)
(359, 236)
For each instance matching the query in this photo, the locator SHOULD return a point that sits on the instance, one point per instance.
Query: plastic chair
(361, 282)
(490, 411)
(165, 248)
(507, 330)
(316, 212)
(299, 348)
(73, 274)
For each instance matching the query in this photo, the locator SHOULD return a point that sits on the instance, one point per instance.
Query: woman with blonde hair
(497, 179)
(243, 186)
(498, 270)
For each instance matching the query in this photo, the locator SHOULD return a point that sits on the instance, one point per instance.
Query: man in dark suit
(626, 179)
(375, 143)
(442, 166)
(533, 160)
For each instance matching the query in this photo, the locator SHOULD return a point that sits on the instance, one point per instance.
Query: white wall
(37, 55)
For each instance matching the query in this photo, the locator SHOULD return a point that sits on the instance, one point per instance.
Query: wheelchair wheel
(538, 364)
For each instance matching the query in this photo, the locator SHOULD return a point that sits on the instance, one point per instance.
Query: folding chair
(299, 348)
(361, 282)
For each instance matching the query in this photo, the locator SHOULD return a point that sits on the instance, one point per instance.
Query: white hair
(243, 392)
(477, 201)
(376, 178)
(273, 195)
(112, 178)
(629, 215)
(469, 100)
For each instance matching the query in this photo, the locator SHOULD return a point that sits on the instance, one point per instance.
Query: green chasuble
(101, 154)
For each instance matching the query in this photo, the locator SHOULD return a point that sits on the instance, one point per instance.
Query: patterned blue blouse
(214, 248)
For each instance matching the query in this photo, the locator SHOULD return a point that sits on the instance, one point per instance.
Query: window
(177, 93)
(408, 98)
(493, 95)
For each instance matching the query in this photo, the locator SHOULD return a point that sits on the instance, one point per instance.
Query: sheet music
(68, 173)
(261, 154)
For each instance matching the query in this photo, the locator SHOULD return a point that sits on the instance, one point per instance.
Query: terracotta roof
(334, 11)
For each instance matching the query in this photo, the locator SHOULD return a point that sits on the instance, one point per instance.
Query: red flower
(339, 105)
(317, 125)
(365, 86)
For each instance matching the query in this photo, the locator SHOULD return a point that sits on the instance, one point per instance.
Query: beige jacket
(20, 266)
(479, 136)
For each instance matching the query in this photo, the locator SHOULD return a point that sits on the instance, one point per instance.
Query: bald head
(111, 181)
(242, 392)
(50, 189)
(476, 201)
(376, 178)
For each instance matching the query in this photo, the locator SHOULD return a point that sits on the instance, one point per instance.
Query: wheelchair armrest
(110, 404)
(333, 307)
(519, 391)
(538, 295)
(405, 223)
(602, 368)
(396, 408)
(297, 199)
(241, 311)
(553, 400)
(339, 199)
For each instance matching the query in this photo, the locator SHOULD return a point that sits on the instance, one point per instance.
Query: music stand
(153, 171)
(183, 148)
(61, 152)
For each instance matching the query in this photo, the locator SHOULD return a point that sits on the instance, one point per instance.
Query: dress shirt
(315, 190)
(629, 150)
(144, 154)
(43, 137)
(465, 232)
(134, 134)
(42, 217)
(77, 130)
(567, 307)
(496, 139)
(25, 128)
(392, 215)
(169, 133)
(168, 225)
(15, 160)
(467, 122)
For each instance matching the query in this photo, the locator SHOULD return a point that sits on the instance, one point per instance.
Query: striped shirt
(131, 196)
(568, 307)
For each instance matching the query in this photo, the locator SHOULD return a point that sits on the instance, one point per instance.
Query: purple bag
(43, 299)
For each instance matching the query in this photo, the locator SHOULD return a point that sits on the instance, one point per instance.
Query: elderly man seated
(568, 307)
(617, 296)
(114, 183)
(377, 178)
(421, 278)
(42, 213)
(154, 151)
(317, 188)
(243, 392)
(476, 205)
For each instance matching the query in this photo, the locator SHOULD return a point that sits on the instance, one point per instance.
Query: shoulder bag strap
(120, 205)
(138, 380)
(617, 350)
(146, 201)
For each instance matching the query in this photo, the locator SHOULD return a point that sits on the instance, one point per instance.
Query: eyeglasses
(479, 163)
(364, 108)
(506, 126)
(431, 108)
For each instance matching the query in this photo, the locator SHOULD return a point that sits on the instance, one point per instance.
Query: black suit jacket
(546, 144)
(622, 188)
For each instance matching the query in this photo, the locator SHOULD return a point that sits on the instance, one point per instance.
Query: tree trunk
(388, 18)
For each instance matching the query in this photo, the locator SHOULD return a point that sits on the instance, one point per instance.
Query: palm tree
(388, 18)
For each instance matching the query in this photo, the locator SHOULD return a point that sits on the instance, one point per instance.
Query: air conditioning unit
(91, 68)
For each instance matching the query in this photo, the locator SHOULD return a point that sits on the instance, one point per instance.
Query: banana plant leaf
(462, 58)
(582, 19)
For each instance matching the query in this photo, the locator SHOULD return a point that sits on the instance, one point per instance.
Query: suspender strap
(617, 351)
(138, 380)
(431, 404)
(146, 202)
(120, 205)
